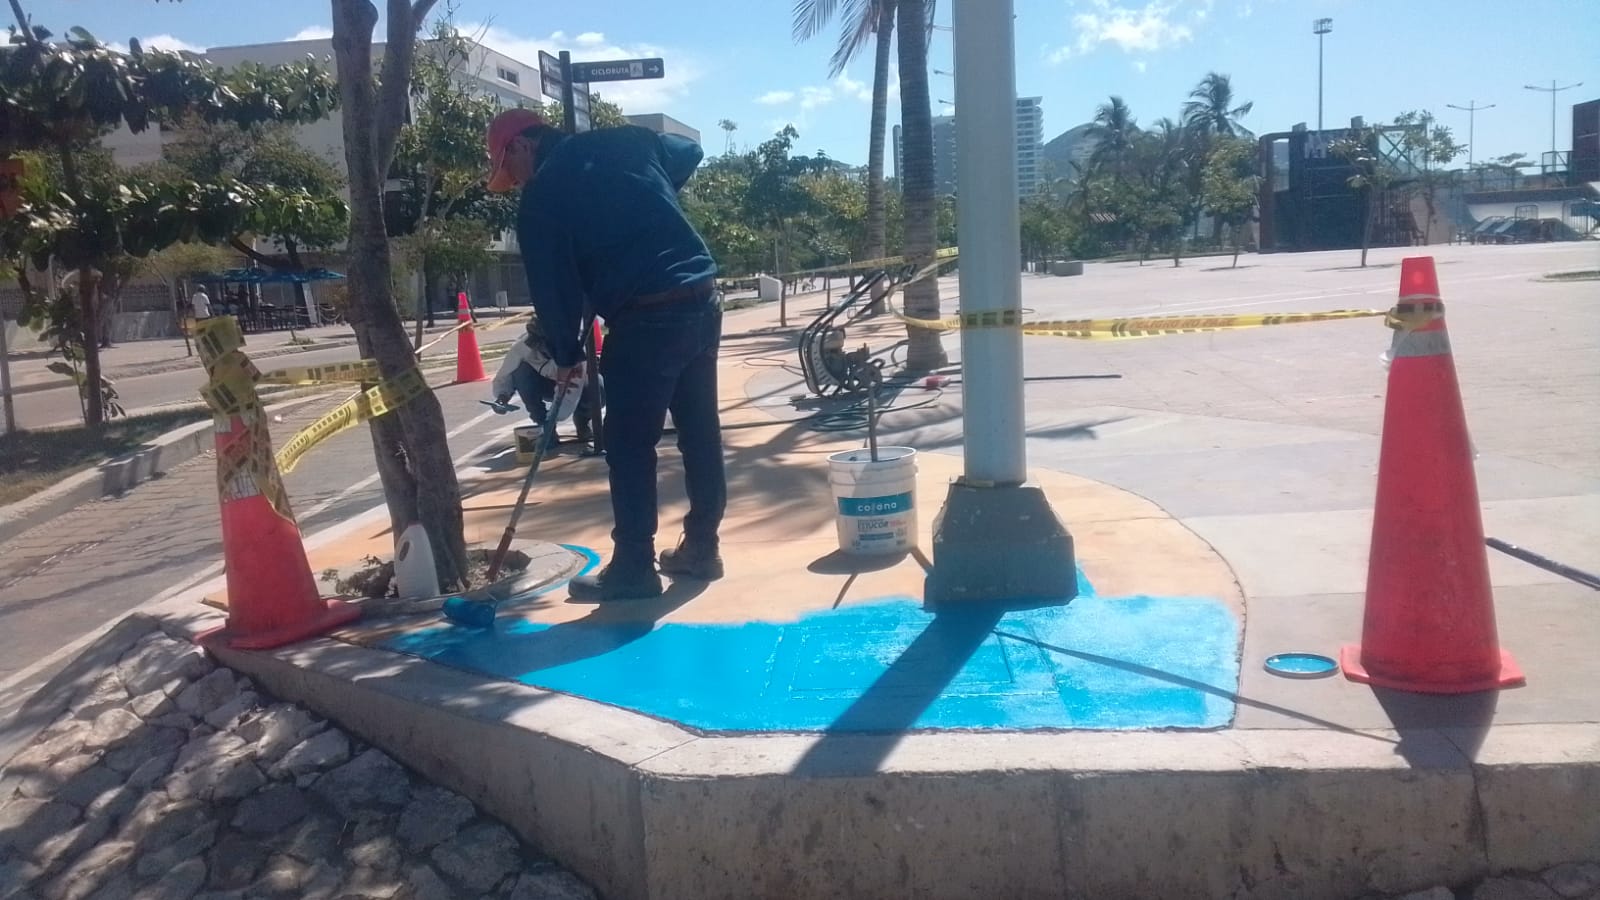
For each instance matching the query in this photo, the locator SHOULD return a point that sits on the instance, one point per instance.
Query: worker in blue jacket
(600, 230)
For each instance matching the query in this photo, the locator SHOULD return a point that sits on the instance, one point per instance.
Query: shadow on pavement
(862, 737)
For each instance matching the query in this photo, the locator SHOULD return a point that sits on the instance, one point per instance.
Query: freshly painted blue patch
(1097, 662)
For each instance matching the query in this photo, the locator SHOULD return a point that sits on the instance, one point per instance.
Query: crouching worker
(600, 227)
(531, 373)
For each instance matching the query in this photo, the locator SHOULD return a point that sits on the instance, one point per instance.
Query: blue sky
(734, 59)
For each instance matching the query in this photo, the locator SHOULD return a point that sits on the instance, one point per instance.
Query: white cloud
(312, 33)
(1148, 28)
(647, 96)
(1139, 66)
(160, 42)
(775, 98)
(813, 97)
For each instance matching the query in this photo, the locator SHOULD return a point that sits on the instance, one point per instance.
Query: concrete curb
(114, 476)
(647, 810)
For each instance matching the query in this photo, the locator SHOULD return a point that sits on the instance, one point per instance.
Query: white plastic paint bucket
(876, 502)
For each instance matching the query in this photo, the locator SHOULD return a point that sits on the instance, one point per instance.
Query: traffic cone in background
(469, 362)
(1429, 623)
(272, 595)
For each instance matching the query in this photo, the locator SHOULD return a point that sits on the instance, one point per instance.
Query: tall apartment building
(1030, 148)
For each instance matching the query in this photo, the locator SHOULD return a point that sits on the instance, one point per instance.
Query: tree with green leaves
(262, 156)
(1211, 110)
(1371, 180)
(1230, 187)
(913, 21)
(61, 97)
(410, 445)
(438, 168)
(863, 20)
(1115, 133)
(1431, 147)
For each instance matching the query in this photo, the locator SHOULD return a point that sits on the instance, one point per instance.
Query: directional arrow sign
(618, 70)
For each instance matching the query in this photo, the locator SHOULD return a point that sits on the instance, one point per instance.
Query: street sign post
(555, 82)
(618, 70)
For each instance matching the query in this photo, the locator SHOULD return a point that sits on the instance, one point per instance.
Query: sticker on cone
(1429, 623)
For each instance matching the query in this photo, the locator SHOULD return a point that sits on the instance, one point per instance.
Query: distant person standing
(200, 303)
(600, 229)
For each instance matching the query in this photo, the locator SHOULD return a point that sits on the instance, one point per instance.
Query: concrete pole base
(1000, 545)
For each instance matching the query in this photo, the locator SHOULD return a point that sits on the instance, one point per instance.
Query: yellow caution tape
(369, 404)
(1409, 315)
(364, 370)
(216, 336)
(1134, 327)
(344, 416)
(244, 460)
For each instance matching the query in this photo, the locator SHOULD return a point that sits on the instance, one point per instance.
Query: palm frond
(860, 25)
(811, 16)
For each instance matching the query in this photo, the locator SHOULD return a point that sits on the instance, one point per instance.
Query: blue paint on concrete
(1095, 663)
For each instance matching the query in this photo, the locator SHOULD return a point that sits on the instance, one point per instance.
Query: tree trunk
(1366, 225)
(411, 450)
(877, 225)
(924, 349)
(94, 412)
(88, 313)
(1236, 235)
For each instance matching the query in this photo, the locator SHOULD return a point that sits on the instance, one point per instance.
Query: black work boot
(699, 560)
(617, 581)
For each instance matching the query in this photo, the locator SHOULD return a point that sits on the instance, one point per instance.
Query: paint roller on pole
(546, 441)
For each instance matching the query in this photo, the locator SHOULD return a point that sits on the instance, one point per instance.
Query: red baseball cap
(505, 127)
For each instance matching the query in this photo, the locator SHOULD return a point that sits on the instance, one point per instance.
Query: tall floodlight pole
(996, 540)
(1552, 90)
(1471, 110)
(1320, 27)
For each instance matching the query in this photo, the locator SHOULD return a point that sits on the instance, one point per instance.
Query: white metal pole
(988, 233)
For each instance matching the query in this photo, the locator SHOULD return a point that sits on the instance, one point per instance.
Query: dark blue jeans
(656, 359)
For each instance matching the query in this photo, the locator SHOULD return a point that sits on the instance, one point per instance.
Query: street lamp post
(1471, 110)
(996, 540)
(1320, 27)
(1552, 90)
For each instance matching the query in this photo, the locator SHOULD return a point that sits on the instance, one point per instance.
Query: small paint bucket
(876, 501)
(527, 437)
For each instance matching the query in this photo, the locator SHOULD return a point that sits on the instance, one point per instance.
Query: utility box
(768, 288)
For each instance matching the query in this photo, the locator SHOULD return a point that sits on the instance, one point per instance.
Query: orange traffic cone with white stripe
(469, 362)
(272, 596)
(1429, 623)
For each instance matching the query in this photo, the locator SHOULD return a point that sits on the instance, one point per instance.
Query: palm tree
(862, 19)
(1210, 109)
(924, 349)
(1115, 132)
(1211, 113)
(729, 126)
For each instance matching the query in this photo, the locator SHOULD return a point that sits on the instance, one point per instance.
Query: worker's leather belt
(683, 293)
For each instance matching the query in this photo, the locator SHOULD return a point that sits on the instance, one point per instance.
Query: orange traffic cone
(1429, 623)
(469, 362)
(272, 595)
